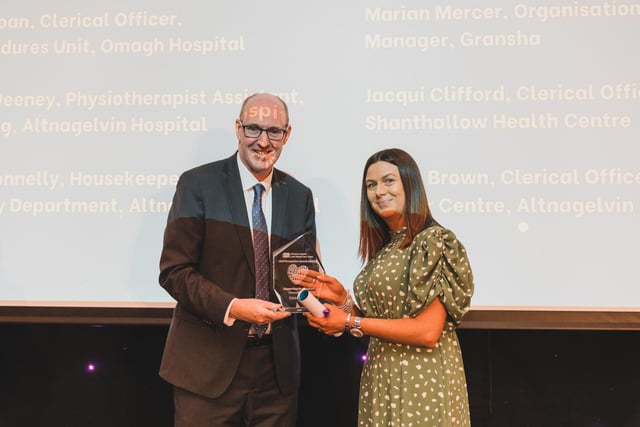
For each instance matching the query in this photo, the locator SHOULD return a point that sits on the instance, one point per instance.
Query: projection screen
(523, 117)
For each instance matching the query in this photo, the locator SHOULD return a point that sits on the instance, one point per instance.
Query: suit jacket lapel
(279, 202)
(235, 197)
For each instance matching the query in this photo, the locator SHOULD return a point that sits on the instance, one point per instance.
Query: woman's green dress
(406, 385)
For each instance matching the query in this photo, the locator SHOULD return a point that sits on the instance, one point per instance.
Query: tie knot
(258, 189)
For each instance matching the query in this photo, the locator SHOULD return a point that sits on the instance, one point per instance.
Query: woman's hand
(325, 287)
(333, 323)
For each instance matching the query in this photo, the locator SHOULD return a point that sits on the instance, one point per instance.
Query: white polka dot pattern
(404, 385)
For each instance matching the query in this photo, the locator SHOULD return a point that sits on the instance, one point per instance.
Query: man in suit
(224, 369)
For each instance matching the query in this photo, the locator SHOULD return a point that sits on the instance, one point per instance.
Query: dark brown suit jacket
(207, 260)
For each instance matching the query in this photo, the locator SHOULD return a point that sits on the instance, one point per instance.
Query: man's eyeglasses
(253, 131)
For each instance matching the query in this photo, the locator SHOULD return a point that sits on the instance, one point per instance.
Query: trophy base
(296, 309)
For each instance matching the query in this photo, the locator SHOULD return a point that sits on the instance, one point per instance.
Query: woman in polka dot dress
(411, 294)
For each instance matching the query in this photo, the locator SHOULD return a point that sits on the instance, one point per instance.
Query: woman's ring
(313, 281)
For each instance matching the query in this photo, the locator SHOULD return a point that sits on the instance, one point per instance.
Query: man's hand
(257, 311)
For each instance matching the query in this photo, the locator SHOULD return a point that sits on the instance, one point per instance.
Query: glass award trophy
(290, 264)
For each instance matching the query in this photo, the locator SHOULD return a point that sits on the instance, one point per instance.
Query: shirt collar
(248, 180)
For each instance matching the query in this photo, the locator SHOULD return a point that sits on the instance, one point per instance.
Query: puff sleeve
(439, 268)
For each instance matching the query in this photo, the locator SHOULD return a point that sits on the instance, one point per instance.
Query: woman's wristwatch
(356, 329)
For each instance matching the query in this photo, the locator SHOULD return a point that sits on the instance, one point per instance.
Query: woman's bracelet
(347, 305)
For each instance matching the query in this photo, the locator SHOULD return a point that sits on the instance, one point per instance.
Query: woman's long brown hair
(374, 232)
